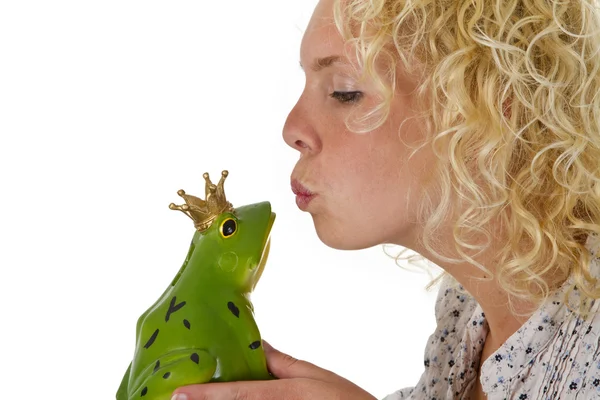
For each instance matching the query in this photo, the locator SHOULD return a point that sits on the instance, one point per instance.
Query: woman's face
(366, 188)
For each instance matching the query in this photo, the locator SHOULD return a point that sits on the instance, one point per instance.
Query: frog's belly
(196, 328)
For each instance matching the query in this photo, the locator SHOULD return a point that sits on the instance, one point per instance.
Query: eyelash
(347, 97)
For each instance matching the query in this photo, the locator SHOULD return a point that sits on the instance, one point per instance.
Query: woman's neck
(494, 301)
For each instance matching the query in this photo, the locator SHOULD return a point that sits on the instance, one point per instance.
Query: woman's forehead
(322, 39)
(321, 23)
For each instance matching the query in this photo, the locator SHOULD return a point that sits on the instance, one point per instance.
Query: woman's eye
(347, 97)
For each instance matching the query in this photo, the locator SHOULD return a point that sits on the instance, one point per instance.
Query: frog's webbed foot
(180, 368)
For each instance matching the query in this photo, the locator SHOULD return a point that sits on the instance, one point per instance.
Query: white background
(107, 108)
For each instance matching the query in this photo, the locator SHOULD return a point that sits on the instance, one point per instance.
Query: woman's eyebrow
(324, 62)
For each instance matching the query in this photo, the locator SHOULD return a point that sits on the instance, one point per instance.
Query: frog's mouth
(266, 248)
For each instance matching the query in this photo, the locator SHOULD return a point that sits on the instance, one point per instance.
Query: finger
(284, 366)
(244, 390)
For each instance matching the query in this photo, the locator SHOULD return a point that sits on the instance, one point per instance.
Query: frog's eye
(228, 227)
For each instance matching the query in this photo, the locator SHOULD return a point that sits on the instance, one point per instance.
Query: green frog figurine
(202, 328)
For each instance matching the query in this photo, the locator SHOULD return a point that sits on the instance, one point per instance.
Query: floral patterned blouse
(554, 355)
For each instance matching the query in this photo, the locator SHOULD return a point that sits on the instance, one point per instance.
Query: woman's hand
(297, 380)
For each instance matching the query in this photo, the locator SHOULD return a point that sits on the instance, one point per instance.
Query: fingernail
(266, 346)
(179, 396)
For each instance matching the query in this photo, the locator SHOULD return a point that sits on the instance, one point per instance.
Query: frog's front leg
(173, 370)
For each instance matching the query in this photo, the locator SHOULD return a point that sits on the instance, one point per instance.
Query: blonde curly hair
(510, 93)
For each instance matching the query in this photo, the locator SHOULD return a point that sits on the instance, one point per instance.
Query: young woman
(469, 132)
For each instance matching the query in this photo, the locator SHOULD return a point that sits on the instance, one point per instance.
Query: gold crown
(204, 212)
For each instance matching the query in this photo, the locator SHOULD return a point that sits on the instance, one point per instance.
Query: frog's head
(230, 245)
(240, 242)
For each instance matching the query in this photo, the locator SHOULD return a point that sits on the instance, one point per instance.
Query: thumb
(284, 366)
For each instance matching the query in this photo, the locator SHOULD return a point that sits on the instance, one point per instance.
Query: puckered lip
(299, 189)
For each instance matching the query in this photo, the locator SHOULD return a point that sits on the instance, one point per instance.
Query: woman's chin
(342, 238)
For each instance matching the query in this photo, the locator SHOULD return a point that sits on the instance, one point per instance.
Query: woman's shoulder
(453, 346)
(453, 301)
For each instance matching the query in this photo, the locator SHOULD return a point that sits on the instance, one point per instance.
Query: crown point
(204, 212)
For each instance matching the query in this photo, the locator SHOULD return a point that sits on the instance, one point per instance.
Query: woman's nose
(299, 132)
